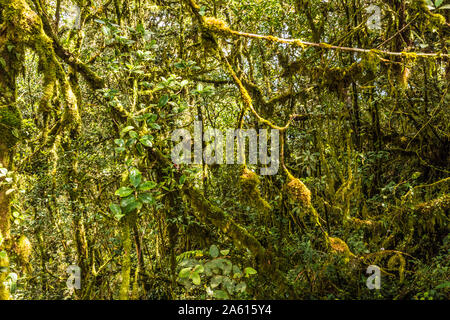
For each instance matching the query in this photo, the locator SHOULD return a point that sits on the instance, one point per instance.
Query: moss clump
(250, 182)
(339, 246)
(10, 124)
(216, 25)
(298, 192)
(298, 43)
(325, 45)
(24, 249)
(4, 265)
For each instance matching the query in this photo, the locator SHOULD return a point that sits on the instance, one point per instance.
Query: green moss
(250, 182)
(10, 124)
(4, 264)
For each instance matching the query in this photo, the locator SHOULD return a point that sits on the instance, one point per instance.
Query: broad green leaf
(126, 129)
(124, 192)
(214, 251)
(135, 177)
(119, 142)
(184, 273)
(151, 117)
(163, 100)
(241, 286)
(133, 134)
(224, 252)
(199, 268)
(216, 281)
(148, 185)
(155, 126)
(146, 198)
(115, 209)
(220, 294)
(195, 278)
(249, 271)
(146, 141)
(130, 205)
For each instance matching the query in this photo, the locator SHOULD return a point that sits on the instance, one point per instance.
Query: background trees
(89, 98)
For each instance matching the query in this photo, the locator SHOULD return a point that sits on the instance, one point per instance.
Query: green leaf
(146, 141)
(148, 185)
(443, 285)
(199, 268)
(220, 294)
(229, 284)
(447, 6)
(126, 129)
(115, 209)
(216, 281)
(119, 142)
(249, 270)
(214, 251)
(195, 278)
(180, 65)
(133, 134)
(182, 179)
(224, 252)
(163, 100)
(146, 198)
(135, 177)
(151, 117)
(130, 204)
(124, 192)
(236, 272)
(130, 142)
(437, 3)
(184, 273)
(241, 287)
(155, 126)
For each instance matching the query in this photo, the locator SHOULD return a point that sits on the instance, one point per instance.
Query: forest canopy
(347, 100)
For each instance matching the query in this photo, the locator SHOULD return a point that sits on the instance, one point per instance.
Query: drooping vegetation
(91, 92)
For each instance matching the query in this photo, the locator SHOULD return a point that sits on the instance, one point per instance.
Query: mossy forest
(348, 100)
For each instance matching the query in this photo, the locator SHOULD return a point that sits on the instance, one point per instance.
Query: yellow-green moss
(4, 264)
(339, 246)
(216, 25)
(299, 193)
(250, 182)
(398, 262)
(10, 124)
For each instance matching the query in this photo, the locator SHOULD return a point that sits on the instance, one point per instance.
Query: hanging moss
(434, 18)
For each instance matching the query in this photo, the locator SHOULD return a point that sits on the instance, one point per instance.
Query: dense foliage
(91, 91)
